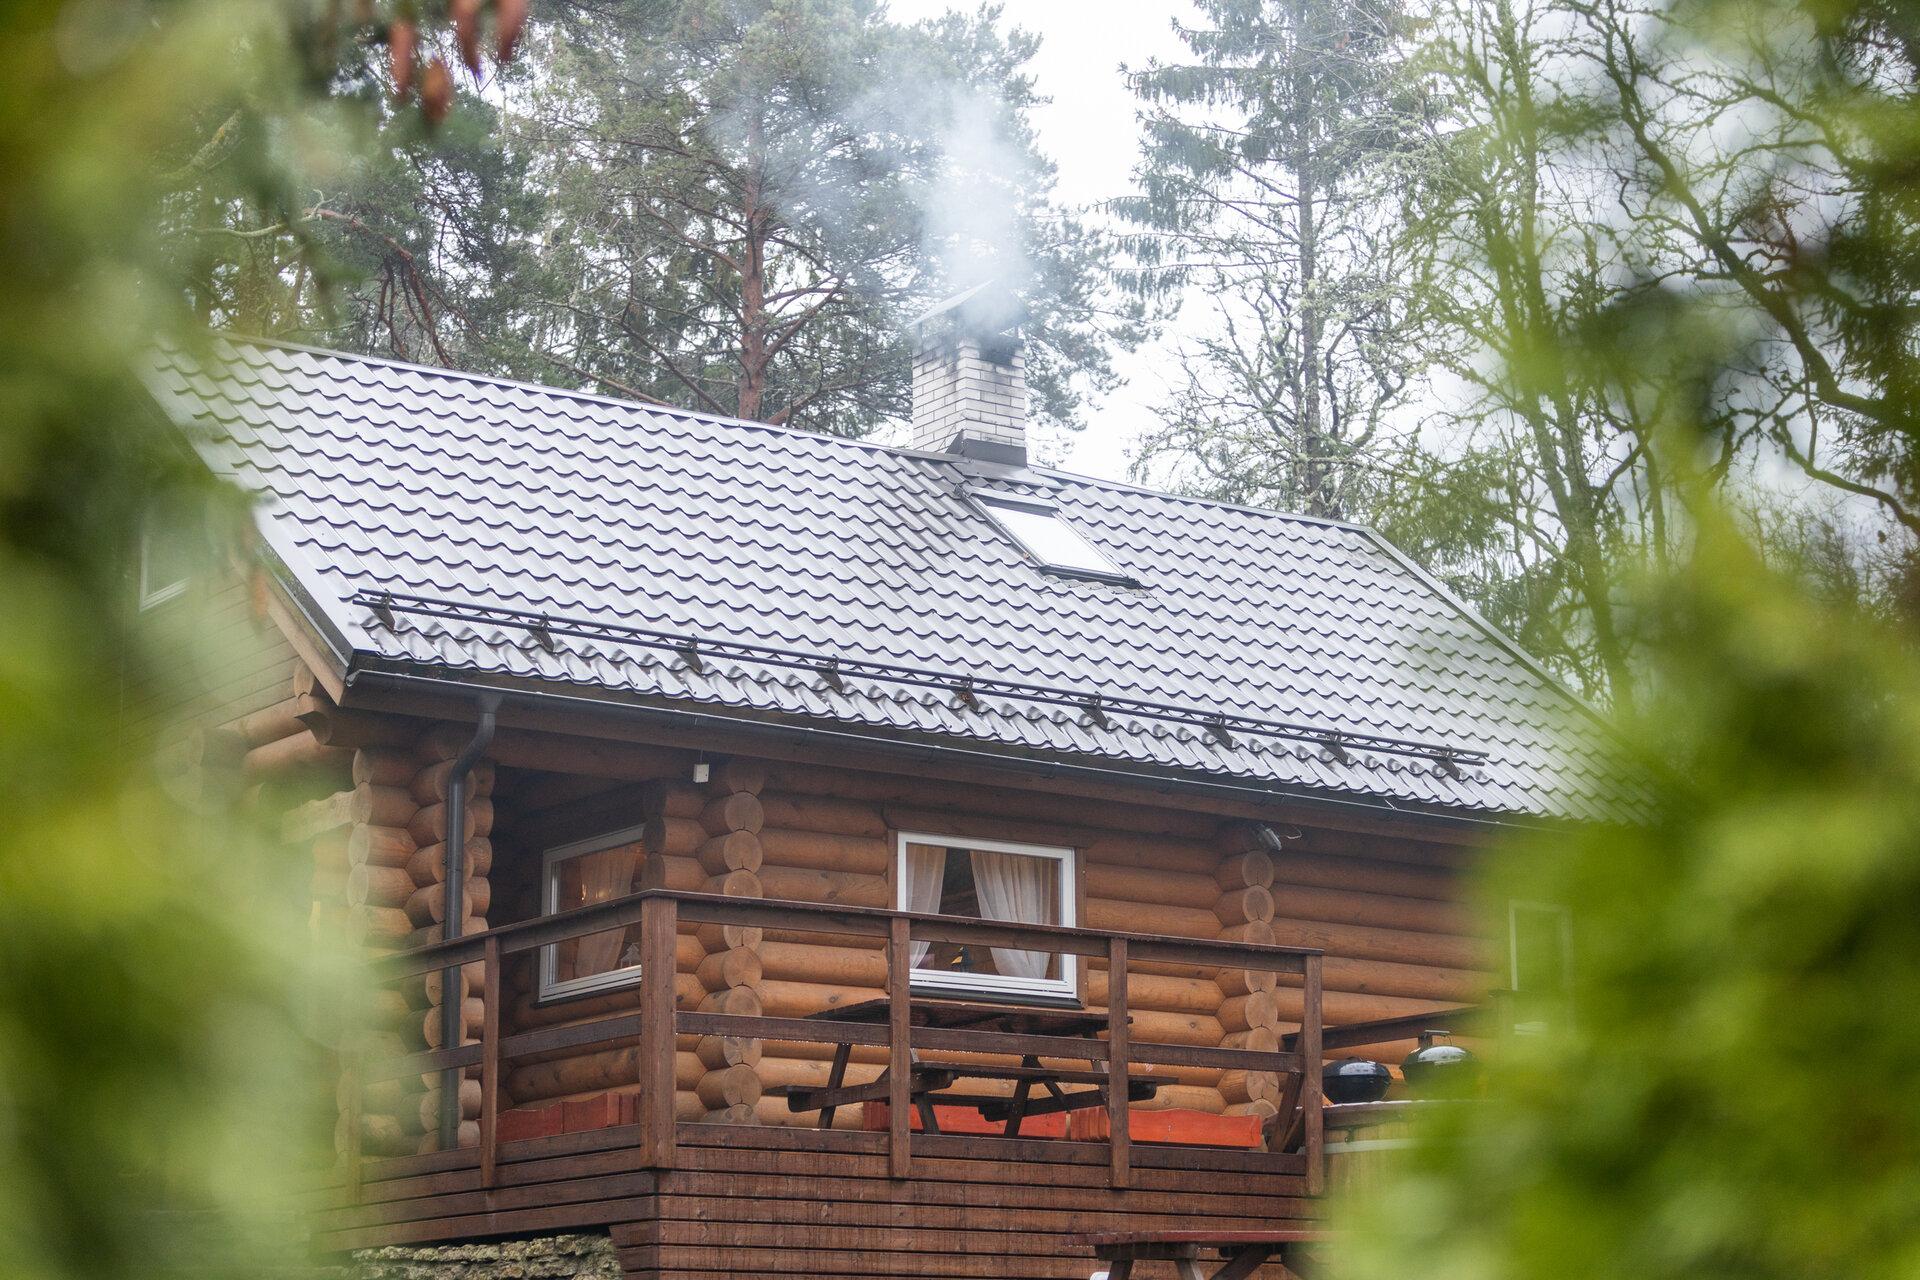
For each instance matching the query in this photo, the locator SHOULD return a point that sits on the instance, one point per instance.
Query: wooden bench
(1242, 1252)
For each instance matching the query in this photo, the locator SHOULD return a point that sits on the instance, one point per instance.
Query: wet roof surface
(385, 477)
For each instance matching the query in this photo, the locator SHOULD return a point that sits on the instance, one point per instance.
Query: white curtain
(1017, 890)
(926, 875)
(603, 876)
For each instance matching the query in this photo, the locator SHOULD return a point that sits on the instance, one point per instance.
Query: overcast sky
(1088, 129)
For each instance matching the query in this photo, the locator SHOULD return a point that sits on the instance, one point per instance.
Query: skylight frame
(993, 501)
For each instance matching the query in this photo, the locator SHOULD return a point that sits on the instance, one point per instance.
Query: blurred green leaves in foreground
(158, 1086)
(1733, 1092)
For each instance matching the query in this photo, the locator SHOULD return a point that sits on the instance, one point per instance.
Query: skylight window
(1044, 535)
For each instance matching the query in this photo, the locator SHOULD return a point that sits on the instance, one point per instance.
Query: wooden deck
(746, 1200)
(695, 1199)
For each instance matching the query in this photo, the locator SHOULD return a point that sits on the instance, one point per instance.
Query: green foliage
(794, 180)
(1728, 1096)
(1726, 1092)
(151, 966)
(1272, 164)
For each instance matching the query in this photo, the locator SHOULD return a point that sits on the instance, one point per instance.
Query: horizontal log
(729, 1086)
(735, 967)
(380, 846)
(821, 813)
(672, 837)
(844, 888)
(428, 904)
(1150, 884)
(1240, 982)
(1345, 906)
(919, 791)
(1192, 857)
(428, 1107)
(429, 865)
(1147, 917)
(824, 852)
(389, 924)
(369, 884)
(734, 851)
(739, 773)
(784, 999)
(270, 724)
(384, 767)
(429, 786)
(735, 884)
(378, 806)
(1370, 942)
(806, 962)
(1165, 994)
(1330, 871)
(1354, 844)
(429, 823)
(292, 754)
(475, 1011)
(1250, 869)
(728, 1051)
(305, 821)
(1248, 1012)
(1244, 906)
(1338, 1008)
(591, 1072)
(1416, 981)
(672, 798)
(738, 811)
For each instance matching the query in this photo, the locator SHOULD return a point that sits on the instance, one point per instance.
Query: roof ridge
(488, 379)
(723, 420)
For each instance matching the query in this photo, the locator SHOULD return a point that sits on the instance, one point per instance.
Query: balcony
(682, 1194)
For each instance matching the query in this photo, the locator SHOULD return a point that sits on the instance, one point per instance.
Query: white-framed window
(986, 880)
(1043, 533)
(166, 564)
(579, 874)
(1539, 947)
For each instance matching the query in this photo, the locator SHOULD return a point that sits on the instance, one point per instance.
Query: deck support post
(1310, 1052)
(659, 923)
(1120, 1170)
(490, 1063)
(899, 1045)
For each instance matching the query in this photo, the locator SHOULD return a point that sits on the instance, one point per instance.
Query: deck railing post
(490, 1062)
(356, 1068)
(899, 1045)
(1120, 1139)
(1314, 1144)
(659, 922)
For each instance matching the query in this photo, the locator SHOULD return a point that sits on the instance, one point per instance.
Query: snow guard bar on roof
(835, 670)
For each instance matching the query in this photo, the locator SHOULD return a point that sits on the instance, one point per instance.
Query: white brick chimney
(969, 384)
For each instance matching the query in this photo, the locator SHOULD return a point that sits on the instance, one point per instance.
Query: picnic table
(933, 1082)
(1241, 1252)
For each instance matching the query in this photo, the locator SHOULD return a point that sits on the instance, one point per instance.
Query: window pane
(1016, 888)
(1049, 538)
(590, 878)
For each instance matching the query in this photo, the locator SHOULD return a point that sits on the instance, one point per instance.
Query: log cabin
(783, 854)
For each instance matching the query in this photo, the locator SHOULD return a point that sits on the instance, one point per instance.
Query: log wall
(1384, 911)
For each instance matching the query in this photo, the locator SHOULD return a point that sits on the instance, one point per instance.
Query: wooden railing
(660, 913)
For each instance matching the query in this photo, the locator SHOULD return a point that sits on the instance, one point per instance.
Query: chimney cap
(986, 310)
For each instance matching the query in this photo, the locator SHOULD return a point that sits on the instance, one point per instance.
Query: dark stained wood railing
(660, 913)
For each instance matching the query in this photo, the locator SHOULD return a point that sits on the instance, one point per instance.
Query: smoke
(974, 211)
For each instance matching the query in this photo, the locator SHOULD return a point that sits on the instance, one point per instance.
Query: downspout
(452, 1003)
